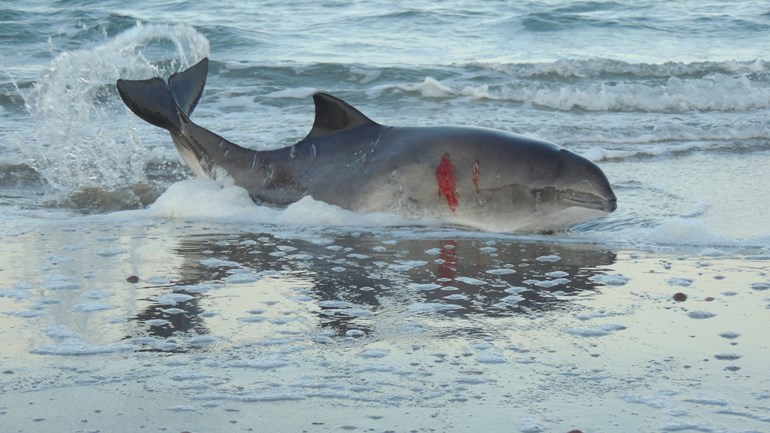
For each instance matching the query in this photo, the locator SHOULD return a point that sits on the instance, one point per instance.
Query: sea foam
(232, 204)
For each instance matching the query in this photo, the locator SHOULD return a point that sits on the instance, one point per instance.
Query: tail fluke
(152, 101)
(187, 86)
(168, 104)
(160, 103)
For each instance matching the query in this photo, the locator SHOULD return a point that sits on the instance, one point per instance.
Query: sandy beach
(125, 324)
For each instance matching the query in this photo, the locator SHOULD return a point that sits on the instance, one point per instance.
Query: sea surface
(670, 98)
(123, 275)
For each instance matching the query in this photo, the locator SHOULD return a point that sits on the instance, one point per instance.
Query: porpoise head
(567, 189)
(582, 183)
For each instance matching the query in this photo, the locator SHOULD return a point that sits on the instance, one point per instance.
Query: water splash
(82, 142)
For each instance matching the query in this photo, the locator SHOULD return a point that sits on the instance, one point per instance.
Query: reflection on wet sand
(339, 325)
(353, 276)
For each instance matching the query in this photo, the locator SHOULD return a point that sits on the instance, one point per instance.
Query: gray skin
(476, 177)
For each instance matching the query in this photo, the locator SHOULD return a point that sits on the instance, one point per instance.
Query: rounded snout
(588, 183)
(610, 205)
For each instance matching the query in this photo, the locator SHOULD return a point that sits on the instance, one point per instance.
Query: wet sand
(125, 324)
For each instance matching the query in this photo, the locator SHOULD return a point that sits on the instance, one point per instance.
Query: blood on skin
(446, 182)
(476, 175)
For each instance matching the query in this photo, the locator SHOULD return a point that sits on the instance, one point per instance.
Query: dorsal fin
(333, 115)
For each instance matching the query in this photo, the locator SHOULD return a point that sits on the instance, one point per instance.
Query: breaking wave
(610, 86)
(80, 143)
(595, 85)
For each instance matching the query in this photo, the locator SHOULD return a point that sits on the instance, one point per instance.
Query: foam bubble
(244, 277)
(254, 396)
(59, 282)
(19, 291)
(60, 332)
(26, 314)
(595, 331)
(424, 286)
(172, 298)
(97, 294)
(547, 284)
(700, 314)
(218, 263)
(266, 363)
(377, 368)
(516, 290)
(681, 282)
(501, 271)
(202, 340)
(92, 306)
(548, 258)
(471, 281)
(182, 408)
(489, 354)
(675, 426)
(196, 288)
(510, 300)
(111, 252)
(431, 307)
(530, 425)
(77, 348)
(707, 399)
(406, 265)
(374, 353)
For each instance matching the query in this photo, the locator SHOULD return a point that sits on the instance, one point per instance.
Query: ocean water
(123, 275)
(671, 99)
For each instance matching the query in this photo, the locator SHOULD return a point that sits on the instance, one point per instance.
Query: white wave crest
(674, 95)
(609, 68)
(76, 141)
(603, 85)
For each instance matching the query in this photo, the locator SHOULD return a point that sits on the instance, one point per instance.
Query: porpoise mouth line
(606, 205)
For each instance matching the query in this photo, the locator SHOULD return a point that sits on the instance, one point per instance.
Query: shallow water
(133, 297)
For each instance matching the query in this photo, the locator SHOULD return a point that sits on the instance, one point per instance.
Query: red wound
(446, 182)
(476, 175)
